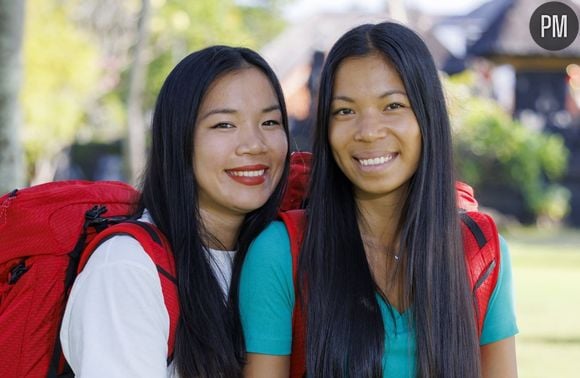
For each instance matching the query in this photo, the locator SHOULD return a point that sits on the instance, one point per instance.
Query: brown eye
(223, 125)
(343, 111)
(394, 106)
(271, 123)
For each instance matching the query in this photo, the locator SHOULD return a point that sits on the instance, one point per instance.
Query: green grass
(546, 268)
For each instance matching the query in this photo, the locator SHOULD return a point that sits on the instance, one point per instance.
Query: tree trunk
(136, 155)
(12, 172)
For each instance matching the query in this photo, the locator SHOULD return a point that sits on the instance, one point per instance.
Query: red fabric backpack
(47, 234)
(480, 241)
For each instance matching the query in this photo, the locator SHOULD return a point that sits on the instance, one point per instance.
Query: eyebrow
(218, 111)
(233, 111)
(386, 94)
(271, 109)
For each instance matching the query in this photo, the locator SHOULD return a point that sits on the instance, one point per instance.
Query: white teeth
(248, 173)
(376, 161)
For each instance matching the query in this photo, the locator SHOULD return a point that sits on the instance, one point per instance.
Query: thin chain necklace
(372, 246)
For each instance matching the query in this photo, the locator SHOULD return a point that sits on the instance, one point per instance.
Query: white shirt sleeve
(116, 323)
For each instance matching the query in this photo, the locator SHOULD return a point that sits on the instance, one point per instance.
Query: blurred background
(79, 78)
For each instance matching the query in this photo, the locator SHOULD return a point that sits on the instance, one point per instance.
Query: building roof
(297, 44)
(506, 31)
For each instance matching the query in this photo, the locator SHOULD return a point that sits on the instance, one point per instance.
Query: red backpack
(480, 242)
(47, 234)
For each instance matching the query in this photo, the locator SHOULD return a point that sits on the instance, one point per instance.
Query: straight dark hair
(345, 327)
(209, 341)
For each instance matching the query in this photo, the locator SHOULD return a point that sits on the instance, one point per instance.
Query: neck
(221, 229)
(379, 219)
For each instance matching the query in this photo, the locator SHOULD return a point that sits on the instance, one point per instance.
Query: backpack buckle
(95, 213)
(93, 218)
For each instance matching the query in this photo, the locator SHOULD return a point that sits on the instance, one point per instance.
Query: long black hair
(345, 327)
(209, 340)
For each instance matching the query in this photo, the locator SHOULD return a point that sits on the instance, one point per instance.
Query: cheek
(338, 139)
(200, 152)
(279, 146)
(334, 138)
(279, 151)
(416, 140)
(209, 154)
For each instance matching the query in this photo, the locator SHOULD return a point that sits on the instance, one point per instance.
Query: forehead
(239, 88)
(366, 73)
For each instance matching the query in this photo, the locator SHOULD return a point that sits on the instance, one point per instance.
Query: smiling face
(373, 133)
(239, 143)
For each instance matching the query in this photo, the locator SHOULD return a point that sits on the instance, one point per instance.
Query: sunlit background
(78, 80)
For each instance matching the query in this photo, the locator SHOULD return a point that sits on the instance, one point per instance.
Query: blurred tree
(135, 144)
(61, 73)
(121, 31)
(181, 26)
(87, 59)
(494, 150)
(11, 155)
(263, 22)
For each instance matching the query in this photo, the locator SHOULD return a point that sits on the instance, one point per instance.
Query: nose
(370, 128)
(251, 141)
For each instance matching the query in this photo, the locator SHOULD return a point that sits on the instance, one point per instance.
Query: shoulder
(119, 266)
(503, 246)
(116, 313)
(500, 317)
(478, 229)
(505, 268)
(120, 250)
(269, 252)
(118, 274)
(266, 294)
(481, 246)
(275, 229)
(269, 256)
(273, 239)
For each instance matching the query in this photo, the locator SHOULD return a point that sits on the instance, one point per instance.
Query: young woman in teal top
(267, 301)
(382, 264)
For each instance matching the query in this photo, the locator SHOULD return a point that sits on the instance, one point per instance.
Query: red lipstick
(250, 175)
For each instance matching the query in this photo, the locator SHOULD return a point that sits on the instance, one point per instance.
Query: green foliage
(489, 145)
(262, 23)
(179, 27)
(61, 71)
(77, 55)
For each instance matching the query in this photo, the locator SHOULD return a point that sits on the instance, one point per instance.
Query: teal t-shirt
(267, 303)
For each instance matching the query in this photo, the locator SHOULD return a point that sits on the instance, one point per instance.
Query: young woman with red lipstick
(382, 274)
(219, 148)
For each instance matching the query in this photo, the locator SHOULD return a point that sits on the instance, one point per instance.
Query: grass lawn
(546, 268)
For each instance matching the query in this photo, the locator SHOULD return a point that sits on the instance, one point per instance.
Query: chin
(246, 207)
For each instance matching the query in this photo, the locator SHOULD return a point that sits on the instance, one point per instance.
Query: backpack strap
(465, 197)
(157, 247)
(295, 222)
(482, 254)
